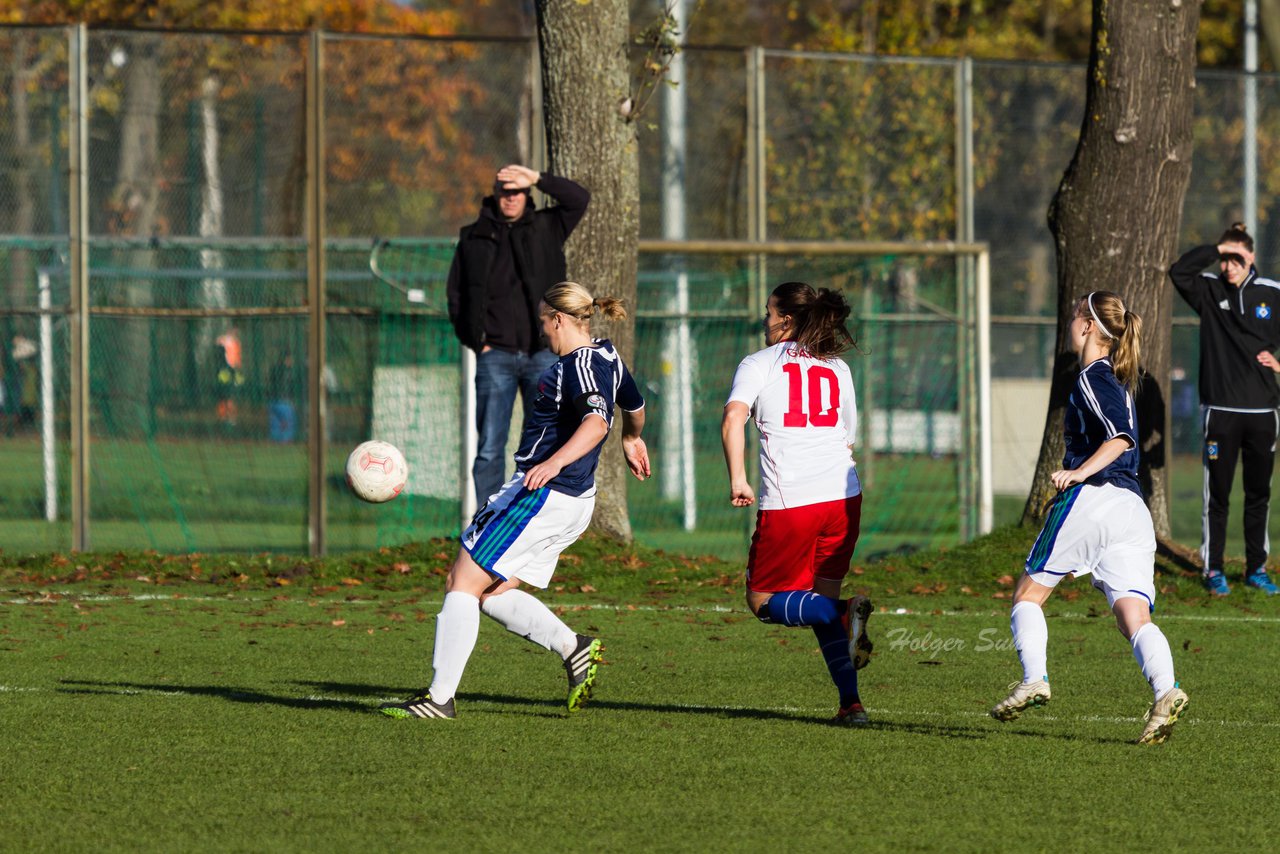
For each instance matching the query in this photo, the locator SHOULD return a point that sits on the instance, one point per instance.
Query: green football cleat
(581, 667)
(420, 705)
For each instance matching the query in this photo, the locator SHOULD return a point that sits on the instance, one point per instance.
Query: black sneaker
(581, 667)
(420, 705)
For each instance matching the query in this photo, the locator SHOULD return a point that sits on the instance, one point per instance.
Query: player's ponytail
(614, 309)
(818, 318)
(576, 301)
(1121, 329)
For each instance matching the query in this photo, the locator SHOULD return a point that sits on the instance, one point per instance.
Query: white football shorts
(1104, 530)
(520, 534)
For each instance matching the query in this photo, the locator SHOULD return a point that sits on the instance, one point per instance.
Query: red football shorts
(794, 546)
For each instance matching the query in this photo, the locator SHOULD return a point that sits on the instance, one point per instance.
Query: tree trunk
(135, 201)
(1269, 18)
(213, 290)
(20, 288)
(1116, 213)
(586, 80)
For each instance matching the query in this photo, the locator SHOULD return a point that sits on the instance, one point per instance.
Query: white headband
(1101, 325)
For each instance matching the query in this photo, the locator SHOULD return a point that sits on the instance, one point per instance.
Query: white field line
(702, 708)
(67, 597)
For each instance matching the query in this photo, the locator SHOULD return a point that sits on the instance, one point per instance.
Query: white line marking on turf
(60, 597)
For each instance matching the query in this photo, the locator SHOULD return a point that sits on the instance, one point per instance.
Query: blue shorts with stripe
(520, 533)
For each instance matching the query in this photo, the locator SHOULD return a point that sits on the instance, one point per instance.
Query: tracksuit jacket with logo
(1236, 323)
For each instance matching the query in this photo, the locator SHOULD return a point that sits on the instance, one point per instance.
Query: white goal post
(971, 315)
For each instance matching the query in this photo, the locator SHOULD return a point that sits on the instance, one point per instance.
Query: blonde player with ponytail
(1098, 524)
(518, 535)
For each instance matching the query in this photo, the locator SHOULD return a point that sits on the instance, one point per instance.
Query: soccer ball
(376, 471)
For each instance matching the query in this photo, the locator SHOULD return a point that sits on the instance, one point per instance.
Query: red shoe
(851, 715)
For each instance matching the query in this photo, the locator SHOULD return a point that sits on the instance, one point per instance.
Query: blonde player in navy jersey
(1098, 522)
(520, 532)
(801, 394)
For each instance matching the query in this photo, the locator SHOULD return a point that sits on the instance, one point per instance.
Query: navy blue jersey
(585, 383)
(1099, 409)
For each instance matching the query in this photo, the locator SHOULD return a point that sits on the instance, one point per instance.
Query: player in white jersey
(520, 532)
(1098, 523)
(800, 393)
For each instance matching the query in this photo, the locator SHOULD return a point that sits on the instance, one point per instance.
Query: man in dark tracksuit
(1239, 327)
(504, 263)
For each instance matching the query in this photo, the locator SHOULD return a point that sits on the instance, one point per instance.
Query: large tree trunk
(1116, 213)
(590, 139)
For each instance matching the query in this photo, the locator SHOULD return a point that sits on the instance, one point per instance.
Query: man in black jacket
(1239, 327)
(504, 262)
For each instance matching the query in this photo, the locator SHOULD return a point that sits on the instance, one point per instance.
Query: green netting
(178, 148)
(199, 396)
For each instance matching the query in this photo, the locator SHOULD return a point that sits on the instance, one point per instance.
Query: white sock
(457, 627)
(1031, 637)
(526, 616)
(1151, 649)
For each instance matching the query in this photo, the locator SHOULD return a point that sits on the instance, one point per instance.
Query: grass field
(237, 496)
(158, 702)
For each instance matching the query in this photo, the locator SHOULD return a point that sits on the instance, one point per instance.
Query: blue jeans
(282, 420)
(498, 374)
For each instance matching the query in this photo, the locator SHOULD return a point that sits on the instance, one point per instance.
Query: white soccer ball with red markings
(376, 471)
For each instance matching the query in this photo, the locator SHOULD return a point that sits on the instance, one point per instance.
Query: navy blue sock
(834, 644)
(803, 608)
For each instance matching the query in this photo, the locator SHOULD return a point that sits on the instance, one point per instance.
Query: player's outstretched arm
(633, 447)
(735, 418)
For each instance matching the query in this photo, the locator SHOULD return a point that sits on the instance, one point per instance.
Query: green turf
(237, 495)
(226, 702)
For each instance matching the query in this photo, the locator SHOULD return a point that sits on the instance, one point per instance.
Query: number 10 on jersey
(804, 409)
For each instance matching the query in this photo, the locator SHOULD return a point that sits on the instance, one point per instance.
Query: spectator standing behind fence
(282, 412)
(229, 375)
(1239, 327)
(504, 263)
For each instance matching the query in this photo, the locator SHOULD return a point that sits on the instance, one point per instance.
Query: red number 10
(818, 376)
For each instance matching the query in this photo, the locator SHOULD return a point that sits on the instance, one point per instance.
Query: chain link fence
(200, 225)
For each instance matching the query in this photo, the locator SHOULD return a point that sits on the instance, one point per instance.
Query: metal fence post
(986, 501)
(317, 441)
(78, 204)
(757, 221)
(967, 339)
